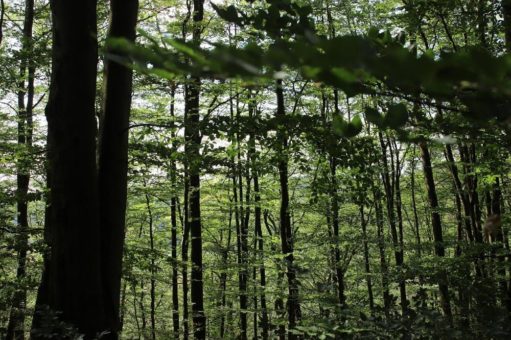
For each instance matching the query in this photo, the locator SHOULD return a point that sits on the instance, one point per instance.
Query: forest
(242, 169)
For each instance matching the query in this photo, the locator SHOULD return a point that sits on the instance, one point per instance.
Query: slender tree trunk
(390, 194)
(184, 251)
(192, 150)
(460, 191)
(334, 207)
(16, 327)
(173, 222)
(223, 276)
(258, 227)
(241, 227)
(414, 207)
(113, 161)
(122, 307)
(152, 288)
(367, 266)
(286, 235)
(437, 227)
(72, 283)
(2, 16)
(381, 247)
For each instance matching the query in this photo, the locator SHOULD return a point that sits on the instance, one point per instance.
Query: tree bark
(73, 284)
(437, 227)
(390, 194)
(192, 150)
(173, 222)
(15, 327)
(113, 160)
(258, 226)
(286, 234)
(367, 266)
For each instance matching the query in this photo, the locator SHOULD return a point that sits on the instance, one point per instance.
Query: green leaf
(347, 129)
(373, 116)
(397, 116)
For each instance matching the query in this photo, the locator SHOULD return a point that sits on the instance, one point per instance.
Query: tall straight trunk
(286, 233)
(257, 225)
(449, 155)
(334, 208)
(16, 327)
(279, 302)
(390, 195)
(192, 150)
(72, 283)
(242, 228)
(152, 287)
(467, 155)
(506, 11)
(185, 250)
(414, 207)
(122, 307)
(223, 276)
(113, 161)
(437, 227)
(499, 238)
(173, 223)
(367, 266)
(2, 16)
(381, 248)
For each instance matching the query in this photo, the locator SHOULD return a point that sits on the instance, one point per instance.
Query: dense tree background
(322, 169)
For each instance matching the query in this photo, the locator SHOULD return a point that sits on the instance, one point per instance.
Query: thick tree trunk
(113, 161)
(73, 284)
(437, 227)
(15, 327)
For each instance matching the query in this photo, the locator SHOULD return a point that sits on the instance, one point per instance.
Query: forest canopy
(291, 169)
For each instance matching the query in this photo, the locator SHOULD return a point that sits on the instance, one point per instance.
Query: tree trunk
(113, 161)
(286, 234)
(414, 207)
(390, 194)
(257, 225)
(223, 276)
(369, 282)
(437, 228)
(192, 150)
(334, 207)
(241, 226)
(173, 222)
(152, 264)
(16, 327)
(381, 247)
(73, 284)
